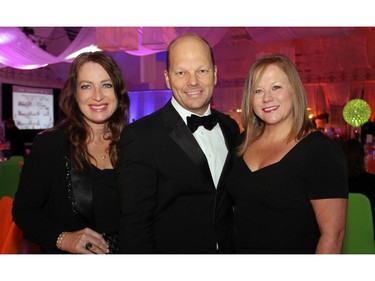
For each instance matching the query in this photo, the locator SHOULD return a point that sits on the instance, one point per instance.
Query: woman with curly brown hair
(67, 200)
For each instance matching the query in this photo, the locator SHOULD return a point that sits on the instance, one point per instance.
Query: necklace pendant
(103, 156)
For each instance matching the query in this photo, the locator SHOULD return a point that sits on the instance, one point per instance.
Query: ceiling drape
(18, 51)
(334, 62)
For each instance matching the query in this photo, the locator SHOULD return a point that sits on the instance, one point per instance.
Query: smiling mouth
(98, 107)
(193, 92)
(270, 109)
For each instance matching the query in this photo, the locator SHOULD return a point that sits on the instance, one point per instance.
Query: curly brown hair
(77, 130)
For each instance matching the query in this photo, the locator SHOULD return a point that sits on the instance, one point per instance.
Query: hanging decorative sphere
(356, 112)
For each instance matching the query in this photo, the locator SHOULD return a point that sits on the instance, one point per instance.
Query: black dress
(95, 203)
(272, 209)
(105, 190)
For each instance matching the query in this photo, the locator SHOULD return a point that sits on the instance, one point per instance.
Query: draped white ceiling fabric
(335, 63)
(18, 51)
(320, 53)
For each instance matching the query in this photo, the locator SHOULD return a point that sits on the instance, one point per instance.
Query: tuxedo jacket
(169, 203)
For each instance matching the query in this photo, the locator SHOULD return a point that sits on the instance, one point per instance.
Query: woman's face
(95, 93)
(273, 97)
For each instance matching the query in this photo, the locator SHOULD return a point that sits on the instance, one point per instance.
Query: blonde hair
(252, 124)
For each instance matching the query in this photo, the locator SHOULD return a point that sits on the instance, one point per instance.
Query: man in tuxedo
(171, 176)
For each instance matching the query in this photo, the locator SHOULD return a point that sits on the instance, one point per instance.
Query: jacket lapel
(182, 136)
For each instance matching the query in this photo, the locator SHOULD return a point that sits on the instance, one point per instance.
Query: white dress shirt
(211, 142)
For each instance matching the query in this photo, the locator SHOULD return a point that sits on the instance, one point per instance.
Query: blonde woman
(289, 182)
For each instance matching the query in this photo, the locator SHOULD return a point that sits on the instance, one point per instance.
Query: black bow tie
(195, 121)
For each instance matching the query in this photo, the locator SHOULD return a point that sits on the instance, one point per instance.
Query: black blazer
(168, 199)
(42, 208)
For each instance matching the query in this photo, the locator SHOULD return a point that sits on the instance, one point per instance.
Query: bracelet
(59, 240)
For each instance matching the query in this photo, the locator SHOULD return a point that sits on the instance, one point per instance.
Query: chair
(10, 175)
(5, 221)
(359, 237)
(12, 240)
(10, 234)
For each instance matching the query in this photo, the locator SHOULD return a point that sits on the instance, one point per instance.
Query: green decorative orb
(356, 112)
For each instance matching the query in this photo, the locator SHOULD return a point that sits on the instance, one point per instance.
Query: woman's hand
(85, 241)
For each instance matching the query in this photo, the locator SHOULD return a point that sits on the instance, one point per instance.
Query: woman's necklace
(103, 156)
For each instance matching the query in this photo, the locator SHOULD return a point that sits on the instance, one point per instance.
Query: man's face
(191, 75)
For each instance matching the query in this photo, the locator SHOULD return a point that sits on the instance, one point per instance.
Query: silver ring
(88, 246)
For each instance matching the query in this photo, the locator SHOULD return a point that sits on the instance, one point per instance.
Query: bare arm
(331, 217)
